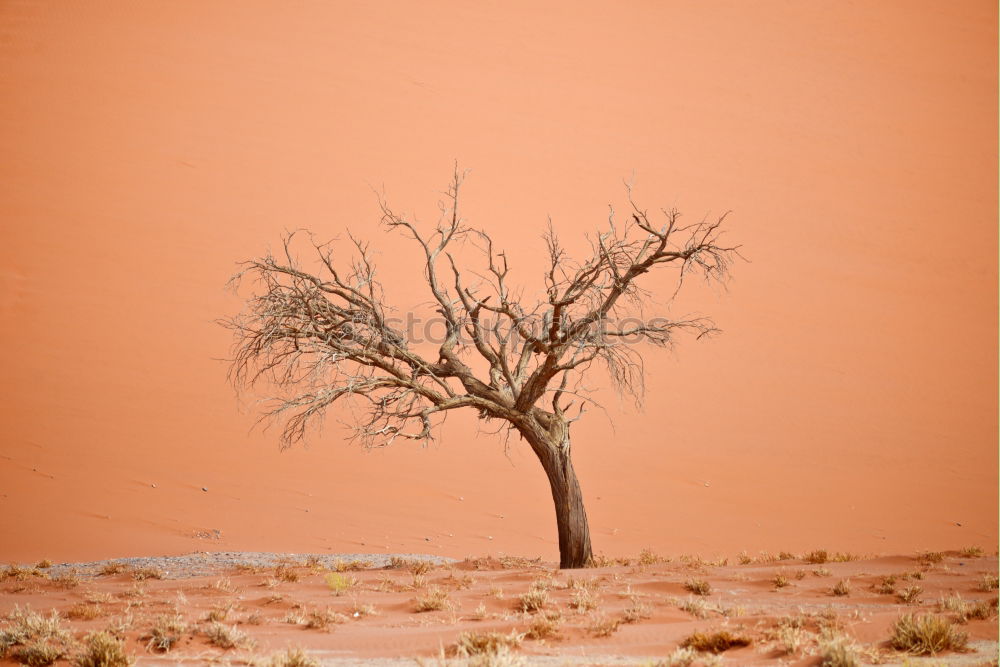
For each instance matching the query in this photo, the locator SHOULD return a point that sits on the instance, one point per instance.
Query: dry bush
(648, 557)
(910, 595)
(112, 568)
(458, 583)
(45, 563)
(930, 557)
(715, 642)
(167, 630)
(479, 613)
(844, 557)
(285, 572)
(780, 580)
(501, 562)
(33, 639)
(95, 597)
(989, 582)
(817, 557)
(635, 612)
(843, 588)
(219, 612)
(532, 601)
(338, 583)
(317, 619)
(18, 573)
(544, 626)
(786, 555)
(224, 584)
(102, 649)
(926, 634)
(68, 579)
(968, 552)
(822, 572)
(359, 609)
(496, 592)
(681, 657)
(144, 573)
(435, 599)
(470, 644)
(698, 586)
(967, 610)
(583, 600)
(226, 636)
(743, 558)
(84, 612)
(603, 626)
(837, 650)
(292, 657)
(351, 565)
(886, 586)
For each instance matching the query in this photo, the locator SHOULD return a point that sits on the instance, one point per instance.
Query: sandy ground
(362, 608)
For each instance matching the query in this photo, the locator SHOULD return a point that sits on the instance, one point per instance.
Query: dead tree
(315, 334)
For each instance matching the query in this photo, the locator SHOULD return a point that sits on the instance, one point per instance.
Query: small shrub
(144, 573)
(817, 557)
(544, 627)
(361, 610)
(786, 555)
(226, 636)
(292, 657)
(694, 606)
(470, 644)
(744, 558)
(112, 568)
(780, 580)
(165, 633)
(930, 557)
(648, 557)
(681, 657)
(635, 612)
(887, 585)
(67, 579)
(45, 563)
(822, 572)
(102, 649)
(926, 634)
(532, 601)
(317, 619)
(435, 599)
(39, 652)
(715, 642)
(338, 583)
(84, 612)
(967, 552)
(838, 651)
(285, 572)
(583, 600)
(910, 594)
(843, 588)
(988, 583)
(603, 626)
(698, 586)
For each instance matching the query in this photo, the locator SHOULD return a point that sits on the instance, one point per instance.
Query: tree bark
(571, 517)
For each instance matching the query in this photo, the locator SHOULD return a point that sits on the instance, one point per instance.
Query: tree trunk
(571, 517)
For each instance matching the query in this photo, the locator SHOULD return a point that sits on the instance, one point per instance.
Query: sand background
(851, 402)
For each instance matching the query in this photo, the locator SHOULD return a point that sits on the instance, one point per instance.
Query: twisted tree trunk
(552, 448)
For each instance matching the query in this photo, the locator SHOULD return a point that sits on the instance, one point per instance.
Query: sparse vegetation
(582, 600)
(84, 612)
(67, 579)
(603, 626)
(715, 642)
(470, 644)
(338, 583)
(648, 557)
(33, 639)
(285, 572)
(45, 563)
(321, 619)
(817, 557)
(292, 657)
(698, 586)
(837, 650)
(989, 582)
(930, 557)
(910, 595)
(532, 601)
(926, 634)
(780, 580)
(544, 626)
(971, 552)
(102, 649)
(226, 636)
(635, 612)
(435, 599)
(112, 568)
(681, 657)
(886, 586)
(843, 588)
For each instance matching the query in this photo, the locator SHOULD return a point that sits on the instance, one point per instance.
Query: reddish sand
(851, 403)
(616, 614)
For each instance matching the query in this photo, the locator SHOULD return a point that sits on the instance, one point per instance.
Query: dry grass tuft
(681, 657)
(603, 626)
(910, 595)
(971, 552)
(102, 649)
(698, 586)
(715, 642)
(886, 586)
(843, 588)
(967, 610)
(351, 565)
(500, 562)
(470, 644)
(84, 612)
(988, 583)
(68, 579)
(817, 557)
(338, 583)
(926, 634)
(930, 557)
(743, 558)
(435, 599)
(544, 626)
(292, 657)
(33, 639)
(45, 563)
(649, 557)
(635, 612)
(836, 650)
(780, 580)
(19, 573)
(285, 572)
(532, 601)
(226, 636)
(167, 630)
(112, 568)
(144, 573)
(318, 619)
(583, 600)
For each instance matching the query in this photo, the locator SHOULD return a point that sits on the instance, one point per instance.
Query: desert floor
(363, 609)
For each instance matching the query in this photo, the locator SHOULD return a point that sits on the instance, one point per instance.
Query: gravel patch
(203, 563)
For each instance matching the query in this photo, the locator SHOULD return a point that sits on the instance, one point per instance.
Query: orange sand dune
(851, 402)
